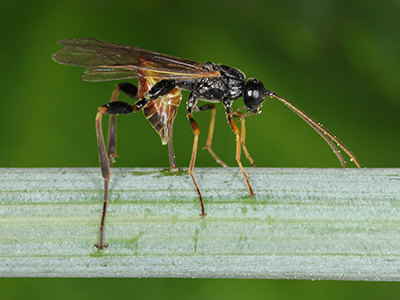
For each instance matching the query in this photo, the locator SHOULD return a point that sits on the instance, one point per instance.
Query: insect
(160, 81)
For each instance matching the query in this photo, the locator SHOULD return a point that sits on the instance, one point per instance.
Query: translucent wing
(106, 61)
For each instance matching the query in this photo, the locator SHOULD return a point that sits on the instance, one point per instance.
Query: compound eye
(254, 94)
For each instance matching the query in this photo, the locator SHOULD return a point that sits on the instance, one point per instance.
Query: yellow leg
(243, 136)
(238, 145)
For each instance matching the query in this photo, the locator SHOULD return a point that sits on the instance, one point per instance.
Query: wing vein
(106, 61)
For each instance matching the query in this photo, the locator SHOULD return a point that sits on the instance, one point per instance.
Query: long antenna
(322, 131)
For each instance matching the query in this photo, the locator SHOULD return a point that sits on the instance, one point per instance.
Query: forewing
(108, 61)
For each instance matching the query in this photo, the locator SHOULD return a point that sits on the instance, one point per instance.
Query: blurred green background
(336, 60)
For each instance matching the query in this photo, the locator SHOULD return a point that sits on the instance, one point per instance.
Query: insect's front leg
(229, 114)
(239, 115)
(211, 132)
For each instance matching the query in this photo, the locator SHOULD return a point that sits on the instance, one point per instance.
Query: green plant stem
(303, 223)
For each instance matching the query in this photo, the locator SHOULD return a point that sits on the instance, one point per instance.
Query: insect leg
(243, 136)
(131, 91)
(235, 129)
(172, 162)
(161, 88)
(191, 105)
(112, 108)
(211, 132)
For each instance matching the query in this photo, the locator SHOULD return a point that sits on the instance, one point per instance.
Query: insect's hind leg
(211, 132)
(131, 91)
(112, 108)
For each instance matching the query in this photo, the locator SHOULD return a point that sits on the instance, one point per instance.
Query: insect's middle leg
(191, 106)
(211, 132)
(196, 133)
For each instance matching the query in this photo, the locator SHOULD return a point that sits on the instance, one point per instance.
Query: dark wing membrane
(108, 61)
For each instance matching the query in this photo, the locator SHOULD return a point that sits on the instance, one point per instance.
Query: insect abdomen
(162, 111)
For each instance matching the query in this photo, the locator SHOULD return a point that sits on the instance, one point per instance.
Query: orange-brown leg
(196, 133)
(113, 108)
(238, 145)
(105, 171)
(243, 136)
(172, 162)
(111, 137)
(211, 133)
(131, 91)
